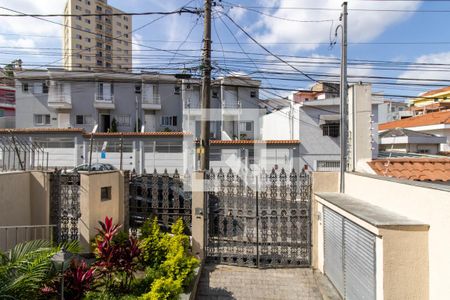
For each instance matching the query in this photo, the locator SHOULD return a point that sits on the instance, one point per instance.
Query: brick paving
(228, 282)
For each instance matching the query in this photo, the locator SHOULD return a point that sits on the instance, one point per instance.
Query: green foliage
(169, 254)
(26, 268)
(114, 125)
(153, 244)
(164, 289)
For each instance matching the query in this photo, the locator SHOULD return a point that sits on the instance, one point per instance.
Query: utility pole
(343, 95)
(206, 90)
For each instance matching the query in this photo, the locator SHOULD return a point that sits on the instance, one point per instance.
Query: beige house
(96, 36)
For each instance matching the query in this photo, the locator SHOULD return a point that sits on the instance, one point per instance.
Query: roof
(421, 169)
(251, 142)
(82, 131)
(372, 214)
(42, 130)
(435, 118)
(397, 132)
(435, 92)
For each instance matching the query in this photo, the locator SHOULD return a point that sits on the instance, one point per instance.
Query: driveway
(230, 282)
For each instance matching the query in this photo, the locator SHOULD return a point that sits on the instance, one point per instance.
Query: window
(253, 94)
(246, 126)
(108, 65)
(88, 2)
(25, 87)
(83, 119)
(77, 7)
(330, 129)
(169, 121)
(124, 120)
(126, 27)
(80, 56)
(98, 8)
(125, 18)
(87, 21)
(87, 11)
(88, 40)
(99, 54)
(99, 63)
(126, 35)
(78, 46)
(119, 24)
(99, 26)
(41, 119)
(108, 47)
(215, 94)
(100, 45)
(44, 88)
(423, 151)
(79, 18)
(79, 37)
(106, 193)
(177, 90)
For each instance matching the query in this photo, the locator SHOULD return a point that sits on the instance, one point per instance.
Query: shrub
(117, 257)
(77, 279)
(164, 289)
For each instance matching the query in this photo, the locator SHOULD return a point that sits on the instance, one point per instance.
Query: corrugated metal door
(333, 252)
(359, 262)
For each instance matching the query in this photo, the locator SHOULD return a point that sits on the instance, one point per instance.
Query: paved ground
(228, 282)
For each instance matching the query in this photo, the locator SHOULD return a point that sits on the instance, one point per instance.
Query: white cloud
(363, 26)
(430, 71)
(137, 40)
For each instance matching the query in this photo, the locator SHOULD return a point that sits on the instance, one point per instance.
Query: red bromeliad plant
(77, 280)
(116, 257)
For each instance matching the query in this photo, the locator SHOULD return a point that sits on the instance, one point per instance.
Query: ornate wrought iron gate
(65, 205)
(259, 221)
(159, 195)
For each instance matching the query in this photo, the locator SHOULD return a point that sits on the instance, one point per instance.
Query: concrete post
(95, 205)
(321, 182)
(198, 214)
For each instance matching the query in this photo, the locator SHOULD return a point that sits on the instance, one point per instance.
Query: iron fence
(18, 153)
(164, 196)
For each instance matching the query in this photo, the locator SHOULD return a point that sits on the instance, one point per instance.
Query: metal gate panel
(359, 262)
(259, 220)
(333, 248)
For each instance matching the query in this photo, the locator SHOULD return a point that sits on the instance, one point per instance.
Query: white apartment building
(100, 42)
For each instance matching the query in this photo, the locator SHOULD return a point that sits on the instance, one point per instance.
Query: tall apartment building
(101, 42)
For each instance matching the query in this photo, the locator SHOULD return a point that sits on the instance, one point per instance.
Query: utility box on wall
(368, 252)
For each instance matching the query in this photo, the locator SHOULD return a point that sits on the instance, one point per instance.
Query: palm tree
(27, 267)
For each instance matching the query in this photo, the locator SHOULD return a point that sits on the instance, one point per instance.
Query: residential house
(436, 123)
(431, 101)
(393, 110)
(57, 98)
(316, 125)
(319, 91)
(7, 106)
(409, 141)
(234, 112)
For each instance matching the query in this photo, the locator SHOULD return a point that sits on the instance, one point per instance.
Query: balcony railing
(151, 103)
(60, 101)
(103, 98)
(155, 99)
(10, 236)
(104, 102)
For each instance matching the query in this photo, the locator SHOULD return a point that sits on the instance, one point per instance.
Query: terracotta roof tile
(245, 142)
(42, 130)
(434, 92)
(423, 169)
(435, 118)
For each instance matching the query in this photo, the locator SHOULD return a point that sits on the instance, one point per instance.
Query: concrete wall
(321, 182)
(424, 202)
(15, 199)
(93, 209)
(24, 198)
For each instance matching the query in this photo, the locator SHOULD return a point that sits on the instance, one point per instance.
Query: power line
(148, 13)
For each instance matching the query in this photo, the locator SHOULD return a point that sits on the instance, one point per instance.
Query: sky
(398, 46)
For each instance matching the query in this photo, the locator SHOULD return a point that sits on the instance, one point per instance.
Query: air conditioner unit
(137, 88)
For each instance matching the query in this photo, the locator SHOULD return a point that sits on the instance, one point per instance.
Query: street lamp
(60, 260)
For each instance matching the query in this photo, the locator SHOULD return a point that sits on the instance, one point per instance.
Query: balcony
(151, 102)
(60, 102)
(230, 108)
(104, 102)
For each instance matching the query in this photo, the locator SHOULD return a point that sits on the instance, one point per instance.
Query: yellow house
(434, 100)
